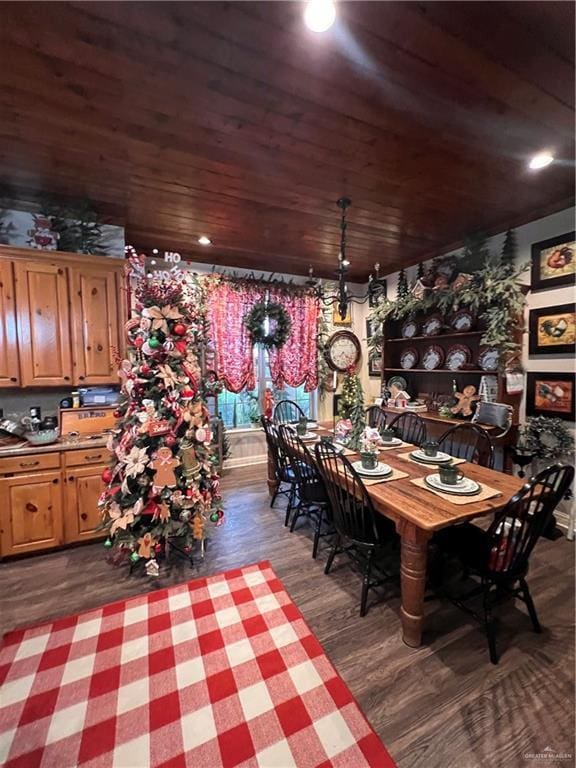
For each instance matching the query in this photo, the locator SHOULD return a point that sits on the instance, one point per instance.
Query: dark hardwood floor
(441, 706)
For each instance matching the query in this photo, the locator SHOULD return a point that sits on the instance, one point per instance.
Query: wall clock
(342, 351)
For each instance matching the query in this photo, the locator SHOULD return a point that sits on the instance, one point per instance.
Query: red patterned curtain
(227, 307)
(295, 363)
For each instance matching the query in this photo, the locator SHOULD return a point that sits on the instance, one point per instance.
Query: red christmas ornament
(170, 440)
(138, 342)
(187, 394)
(179, 329)
(144, 368)
(117, 413)
(180, 346)
(158, 548)
(107, 475)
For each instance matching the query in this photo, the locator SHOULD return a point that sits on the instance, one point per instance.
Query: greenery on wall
(486, 284)
(547, 438)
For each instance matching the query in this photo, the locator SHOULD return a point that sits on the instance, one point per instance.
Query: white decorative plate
(488, 360)
(464, 487)
(389, 443)
(309, 436)
(312, 425)
(381, 470)
(440, 457)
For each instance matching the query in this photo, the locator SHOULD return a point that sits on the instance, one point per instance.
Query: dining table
(418, 513)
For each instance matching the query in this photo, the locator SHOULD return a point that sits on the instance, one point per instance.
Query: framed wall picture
(337, 320)
(378, 293)
(552, 330)
(554, 262)
(375, 367)
(550, 394)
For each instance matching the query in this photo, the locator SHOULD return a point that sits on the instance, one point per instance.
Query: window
(240, 410)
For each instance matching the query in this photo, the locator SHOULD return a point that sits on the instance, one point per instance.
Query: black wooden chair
(282, 470)
(287, 412)
(409, 427)
(310, 491)
(360, 531)
(470, 442)
(500, 556)
(376, 417)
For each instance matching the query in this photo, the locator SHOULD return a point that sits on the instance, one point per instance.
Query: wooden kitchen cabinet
(81, 514)
(62, 317)
(31, 513)
(43, 325)
(96, 305)
(9, 364)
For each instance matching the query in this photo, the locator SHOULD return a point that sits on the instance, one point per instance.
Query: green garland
(493, 292)
(279, 321)
(547, 437)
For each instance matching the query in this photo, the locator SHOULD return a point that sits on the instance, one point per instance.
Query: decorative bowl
(43, 437)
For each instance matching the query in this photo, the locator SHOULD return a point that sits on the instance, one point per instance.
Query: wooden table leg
(272, 481)
(413, 557)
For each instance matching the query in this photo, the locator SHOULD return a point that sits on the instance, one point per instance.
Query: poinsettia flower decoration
(160, 315)
(170, 377)
(136, 461)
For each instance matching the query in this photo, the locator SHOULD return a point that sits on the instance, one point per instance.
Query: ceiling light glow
(319, 15)
(203, 240)
(541, 160)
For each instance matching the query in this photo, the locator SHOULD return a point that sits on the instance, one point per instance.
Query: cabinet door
(83, 488)
(9, 365)
(95, 301)
(43, 324)
(31, 512)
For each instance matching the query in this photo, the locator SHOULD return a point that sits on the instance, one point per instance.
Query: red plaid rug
(221, 671)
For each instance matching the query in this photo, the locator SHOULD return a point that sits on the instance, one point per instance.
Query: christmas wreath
(271, 334)
(546, 437)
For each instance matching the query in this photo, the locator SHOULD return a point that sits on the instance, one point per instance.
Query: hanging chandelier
(343, 298)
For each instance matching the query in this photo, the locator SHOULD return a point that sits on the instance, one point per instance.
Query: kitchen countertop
(24, 448)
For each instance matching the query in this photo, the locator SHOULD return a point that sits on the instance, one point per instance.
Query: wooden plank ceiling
(232, 120)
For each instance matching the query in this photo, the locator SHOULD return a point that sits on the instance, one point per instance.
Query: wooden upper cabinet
(43, 323)
(9, 365)
(95, 294)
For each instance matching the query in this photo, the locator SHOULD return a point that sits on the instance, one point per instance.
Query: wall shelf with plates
(431, 378)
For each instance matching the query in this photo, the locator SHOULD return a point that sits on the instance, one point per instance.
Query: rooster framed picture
(554, 262)
(552, 330)
(550, 394)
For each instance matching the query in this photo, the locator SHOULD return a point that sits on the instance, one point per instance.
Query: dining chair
(409, 427)
(287, 412)
(500, 556)
(309, 486)
(283, 473)
(470, 442)
(360, 531)
(376, 417)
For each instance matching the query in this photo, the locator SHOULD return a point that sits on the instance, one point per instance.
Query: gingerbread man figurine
(164, 463)
(146, 543)
(465, 400)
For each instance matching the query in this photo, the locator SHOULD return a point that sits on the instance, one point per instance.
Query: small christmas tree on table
(351, 406)
(161, 484)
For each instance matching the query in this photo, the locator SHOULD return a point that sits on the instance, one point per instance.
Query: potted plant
(369, 444)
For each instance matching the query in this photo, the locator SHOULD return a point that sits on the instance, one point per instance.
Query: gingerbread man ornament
(465, 400)
(164, 463)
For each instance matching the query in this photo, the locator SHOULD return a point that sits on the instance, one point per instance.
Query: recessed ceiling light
(319, 15)
(541, 160)
(203, 240)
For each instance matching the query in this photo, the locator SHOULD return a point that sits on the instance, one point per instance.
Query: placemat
(396, 475)
(485, 493)
(407, 457)
(395, 447)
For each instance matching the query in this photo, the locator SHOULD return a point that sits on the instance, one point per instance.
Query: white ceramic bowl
(43, 437)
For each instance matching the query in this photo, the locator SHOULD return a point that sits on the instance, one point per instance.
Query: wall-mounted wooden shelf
(438, 337)
(443, 370)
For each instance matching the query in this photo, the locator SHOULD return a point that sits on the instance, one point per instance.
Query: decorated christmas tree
(161, 484)
(351, 406)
